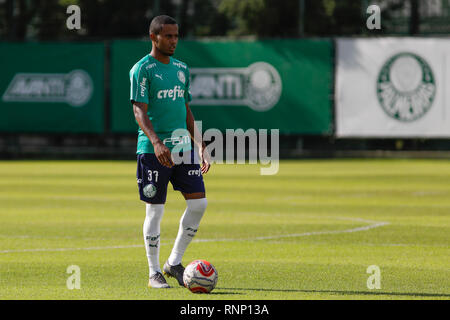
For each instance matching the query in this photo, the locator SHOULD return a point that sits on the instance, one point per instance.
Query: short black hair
(157, 23)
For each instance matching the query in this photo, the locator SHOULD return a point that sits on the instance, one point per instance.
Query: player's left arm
(198, 140)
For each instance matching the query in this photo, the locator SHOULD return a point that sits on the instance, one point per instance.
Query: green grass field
(309, 232)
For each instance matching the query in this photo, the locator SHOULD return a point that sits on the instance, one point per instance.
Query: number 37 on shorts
(153, 178)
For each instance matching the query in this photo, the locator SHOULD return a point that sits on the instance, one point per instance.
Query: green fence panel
(270, 84)
(124, 54)
(52, 87)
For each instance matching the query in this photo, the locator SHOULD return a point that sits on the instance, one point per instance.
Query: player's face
(166, 41)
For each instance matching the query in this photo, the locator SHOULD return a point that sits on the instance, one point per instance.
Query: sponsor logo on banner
(258, 86)
(74, 88)
(406, 87)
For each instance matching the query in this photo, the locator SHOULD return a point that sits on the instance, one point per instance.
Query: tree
(109, 19)
(263, 18)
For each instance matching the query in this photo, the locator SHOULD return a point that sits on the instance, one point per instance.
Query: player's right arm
(139, 84)
(162, 153)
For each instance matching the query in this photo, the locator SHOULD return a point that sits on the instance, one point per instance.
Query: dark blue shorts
(153, 178)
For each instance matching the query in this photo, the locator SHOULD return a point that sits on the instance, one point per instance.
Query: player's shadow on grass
(414, 294)
(224, 292)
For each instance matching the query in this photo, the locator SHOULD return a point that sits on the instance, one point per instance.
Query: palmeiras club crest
(149, 191)
(406, 87)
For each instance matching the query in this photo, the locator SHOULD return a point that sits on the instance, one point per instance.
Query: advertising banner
(47, 87)
(279, 84)
(393, 87)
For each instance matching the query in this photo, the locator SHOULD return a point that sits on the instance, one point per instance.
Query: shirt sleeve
(187, 90)
(139, 84)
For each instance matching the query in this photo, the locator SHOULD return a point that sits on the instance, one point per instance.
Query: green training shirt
(165, 89)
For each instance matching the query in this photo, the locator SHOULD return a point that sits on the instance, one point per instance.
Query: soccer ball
(200, 276)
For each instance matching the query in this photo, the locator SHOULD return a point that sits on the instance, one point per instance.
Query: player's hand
(163, 154)
(205, 159)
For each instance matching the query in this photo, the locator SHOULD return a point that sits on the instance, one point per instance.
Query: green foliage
(107, 19)
(263, 18)
(247, 14)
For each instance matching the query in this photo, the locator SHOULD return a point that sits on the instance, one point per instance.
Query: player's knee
(154, 213)
(194, 213)
(197, 205)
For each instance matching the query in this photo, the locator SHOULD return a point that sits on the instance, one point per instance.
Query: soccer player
(160, 96)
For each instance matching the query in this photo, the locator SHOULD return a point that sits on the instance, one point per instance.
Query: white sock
(188, 228)
(151, 231)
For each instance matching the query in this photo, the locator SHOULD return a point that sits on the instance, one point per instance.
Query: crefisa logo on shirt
(142, 85)
(172, 94)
